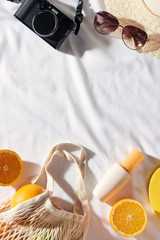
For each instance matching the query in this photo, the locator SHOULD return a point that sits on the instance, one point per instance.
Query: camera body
(45, 20)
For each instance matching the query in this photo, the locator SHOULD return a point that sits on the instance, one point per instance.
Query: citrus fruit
(4, 231)
(11, 167)
(1, 227)
(26, 192)
(45, 237)
(128, 217)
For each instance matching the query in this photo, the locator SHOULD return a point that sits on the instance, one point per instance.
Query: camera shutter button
(45, 23)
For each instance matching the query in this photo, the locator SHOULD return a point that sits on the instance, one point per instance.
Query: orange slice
(128, 217)
(11, 167)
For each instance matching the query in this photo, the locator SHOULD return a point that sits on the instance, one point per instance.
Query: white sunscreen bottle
(117, 176)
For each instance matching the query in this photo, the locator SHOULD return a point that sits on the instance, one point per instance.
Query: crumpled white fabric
(93, 91)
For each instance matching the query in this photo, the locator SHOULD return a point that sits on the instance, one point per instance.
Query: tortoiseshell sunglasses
(133, 37)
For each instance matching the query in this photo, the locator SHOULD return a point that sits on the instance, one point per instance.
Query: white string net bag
(40, 218)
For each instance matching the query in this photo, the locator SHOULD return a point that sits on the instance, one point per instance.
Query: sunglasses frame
(123, 28)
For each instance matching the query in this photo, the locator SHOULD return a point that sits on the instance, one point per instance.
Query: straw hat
(142, 14)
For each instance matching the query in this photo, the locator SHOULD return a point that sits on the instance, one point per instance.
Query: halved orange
(11, 167)
(128, 217)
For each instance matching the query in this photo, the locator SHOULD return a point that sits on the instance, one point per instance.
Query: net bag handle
(81, 199)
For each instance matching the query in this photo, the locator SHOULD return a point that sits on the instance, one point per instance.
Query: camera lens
(45, 23)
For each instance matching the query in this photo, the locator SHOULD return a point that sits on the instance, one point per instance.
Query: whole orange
(1, 227)
(26, 192)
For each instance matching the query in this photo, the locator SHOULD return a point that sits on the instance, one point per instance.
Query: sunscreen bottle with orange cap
(117, 176)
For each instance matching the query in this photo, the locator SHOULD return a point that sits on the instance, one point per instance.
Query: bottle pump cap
(132, 160)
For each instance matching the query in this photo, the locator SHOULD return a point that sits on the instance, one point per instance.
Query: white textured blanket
(94, 91)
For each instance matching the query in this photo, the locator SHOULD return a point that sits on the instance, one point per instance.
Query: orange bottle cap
(132, 160)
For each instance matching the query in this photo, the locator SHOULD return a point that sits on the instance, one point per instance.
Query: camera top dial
(45, 23)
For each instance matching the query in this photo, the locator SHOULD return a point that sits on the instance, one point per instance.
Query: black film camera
(45, 20)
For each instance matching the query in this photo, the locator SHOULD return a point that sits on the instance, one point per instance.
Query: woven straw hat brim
(136, 13)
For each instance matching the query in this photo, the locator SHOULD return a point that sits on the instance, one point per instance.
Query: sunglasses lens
(105, 23)
(133, 37)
